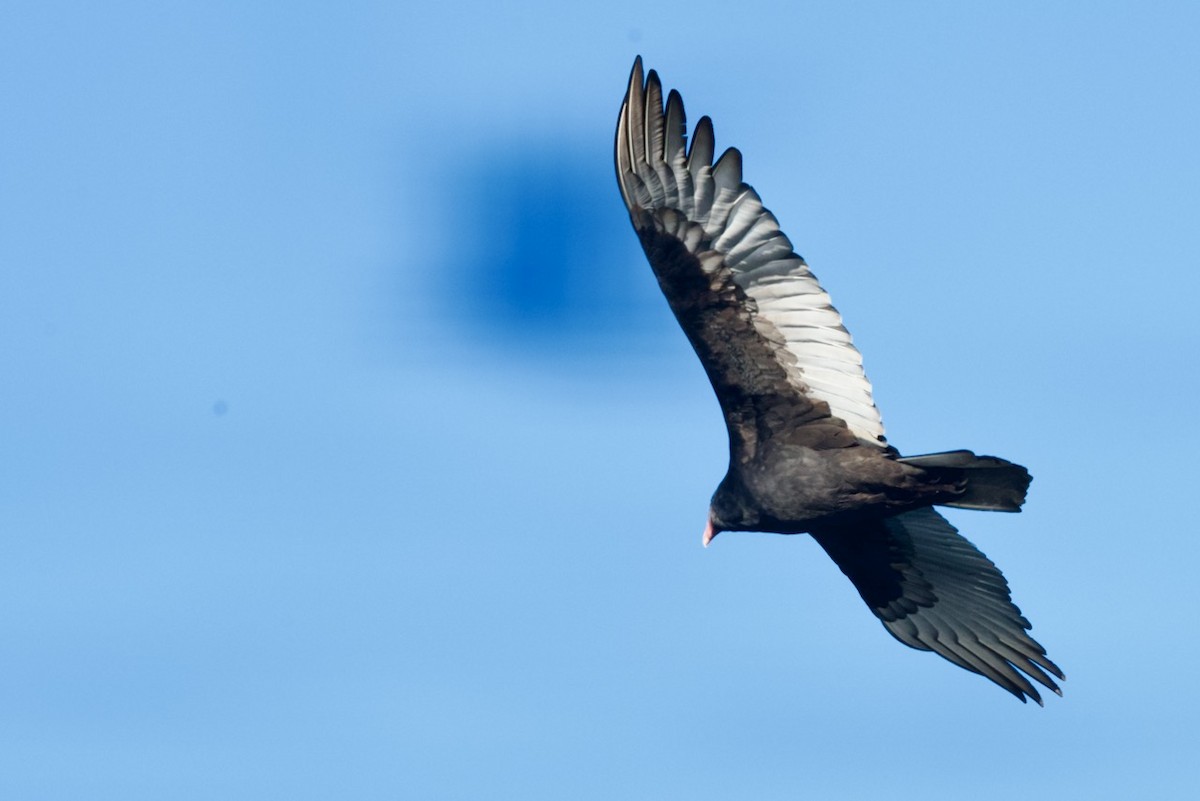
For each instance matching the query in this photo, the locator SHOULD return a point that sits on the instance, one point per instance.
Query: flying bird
(807, 452)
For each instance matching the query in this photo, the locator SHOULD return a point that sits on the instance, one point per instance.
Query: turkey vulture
(807, 452)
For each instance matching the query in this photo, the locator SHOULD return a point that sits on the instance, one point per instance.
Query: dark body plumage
(806, 443)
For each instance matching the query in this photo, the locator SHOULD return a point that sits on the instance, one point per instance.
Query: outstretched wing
(778, 356)
(935, 591)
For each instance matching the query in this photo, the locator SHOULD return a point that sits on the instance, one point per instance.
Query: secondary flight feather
(807, 452)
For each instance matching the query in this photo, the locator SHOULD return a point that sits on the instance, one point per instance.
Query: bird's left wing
(773, 346)
(935, 591)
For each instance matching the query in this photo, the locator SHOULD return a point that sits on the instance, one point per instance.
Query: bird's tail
(992, 484)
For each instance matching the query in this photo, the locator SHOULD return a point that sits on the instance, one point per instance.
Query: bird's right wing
(935, 591)
(774, 348)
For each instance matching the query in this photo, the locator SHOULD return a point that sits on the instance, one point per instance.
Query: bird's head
(729, 511)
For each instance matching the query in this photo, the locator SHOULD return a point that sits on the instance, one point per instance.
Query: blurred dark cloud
(545, 254)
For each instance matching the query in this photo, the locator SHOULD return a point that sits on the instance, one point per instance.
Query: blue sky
(348, 448)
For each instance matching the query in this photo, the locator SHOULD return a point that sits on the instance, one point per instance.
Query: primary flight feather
(807, 452)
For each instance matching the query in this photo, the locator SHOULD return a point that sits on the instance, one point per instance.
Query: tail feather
(992, 484)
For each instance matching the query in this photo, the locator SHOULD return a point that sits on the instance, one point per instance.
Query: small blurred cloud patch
(545, 255)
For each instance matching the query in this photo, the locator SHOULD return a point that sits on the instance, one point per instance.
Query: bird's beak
(709, 532)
